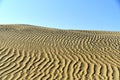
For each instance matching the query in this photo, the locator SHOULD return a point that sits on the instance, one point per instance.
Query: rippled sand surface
(36, 53)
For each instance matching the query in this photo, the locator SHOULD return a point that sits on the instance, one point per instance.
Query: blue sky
(63, 14)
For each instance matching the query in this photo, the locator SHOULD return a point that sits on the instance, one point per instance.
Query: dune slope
(36, 53)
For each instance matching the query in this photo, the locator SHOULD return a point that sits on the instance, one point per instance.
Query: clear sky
(63, 14)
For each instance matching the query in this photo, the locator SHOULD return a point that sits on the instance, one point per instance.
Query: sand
(37, 53)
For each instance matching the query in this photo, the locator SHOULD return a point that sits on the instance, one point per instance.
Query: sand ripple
(36, 53)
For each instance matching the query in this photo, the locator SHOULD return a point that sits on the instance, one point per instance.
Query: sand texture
(36, 53)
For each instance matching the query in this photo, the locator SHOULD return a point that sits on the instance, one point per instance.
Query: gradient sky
(63, 14)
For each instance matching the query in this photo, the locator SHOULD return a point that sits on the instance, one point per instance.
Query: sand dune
(36, 53)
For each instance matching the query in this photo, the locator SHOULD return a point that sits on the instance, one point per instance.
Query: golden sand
(36, 53)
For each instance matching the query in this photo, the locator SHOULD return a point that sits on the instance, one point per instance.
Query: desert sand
(38, 53)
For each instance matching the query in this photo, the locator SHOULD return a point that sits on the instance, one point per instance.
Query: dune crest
(36, 53)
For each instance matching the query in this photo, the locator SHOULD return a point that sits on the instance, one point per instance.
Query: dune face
(37, 53)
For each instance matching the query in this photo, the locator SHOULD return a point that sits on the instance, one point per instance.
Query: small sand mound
(36, 53)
